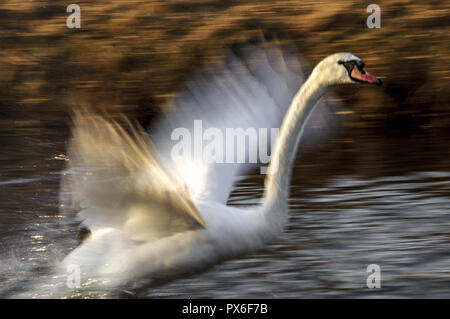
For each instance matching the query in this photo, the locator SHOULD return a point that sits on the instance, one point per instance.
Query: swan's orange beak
(364, 76)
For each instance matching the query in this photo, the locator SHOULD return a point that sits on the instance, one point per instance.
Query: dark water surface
(358, 198)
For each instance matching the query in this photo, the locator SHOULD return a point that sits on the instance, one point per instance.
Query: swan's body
(138, 230)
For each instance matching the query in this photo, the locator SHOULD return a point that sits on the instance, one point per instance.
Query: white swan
(145, 222)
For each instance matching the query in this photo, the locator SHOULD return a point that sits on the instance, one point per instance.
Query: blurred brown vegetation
(137, 53)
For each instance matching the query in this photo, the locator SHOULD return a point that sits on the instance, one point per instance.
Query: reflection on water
(378, 199)
(334, 232)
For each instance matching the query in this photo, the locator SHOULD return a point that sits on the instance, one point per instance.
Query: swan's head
(341, 68)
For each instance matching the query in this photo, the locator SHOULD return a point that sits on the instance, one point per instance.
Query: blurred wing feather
(116, 181)
(253, 89)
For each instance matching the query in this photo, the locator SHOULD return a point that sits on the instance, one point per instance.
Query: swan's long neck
(280, 169)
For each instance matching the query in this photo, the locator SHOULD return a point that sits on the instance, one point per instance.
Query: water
(334, 233)
(358, 198)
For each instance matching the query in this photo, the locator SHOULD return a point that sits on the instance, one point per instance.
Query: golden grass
(138, 52)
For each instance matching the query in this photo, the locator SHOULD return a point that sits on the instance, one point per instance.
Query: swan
(152, 218)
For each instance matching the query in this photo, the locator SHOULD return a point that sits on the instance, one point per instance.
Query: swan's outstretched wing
(252, 90)
(117, 181)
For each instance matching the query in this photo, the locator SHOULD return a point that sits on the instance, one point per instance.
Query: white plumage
(154, 218)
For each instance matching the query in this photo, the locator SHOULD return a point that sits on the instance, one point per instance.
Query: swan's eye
(349, 65)
(359, 74)
(361, 65)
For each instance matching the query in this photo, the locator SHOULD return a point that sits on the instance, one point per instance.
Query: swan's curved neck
(278, 181)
